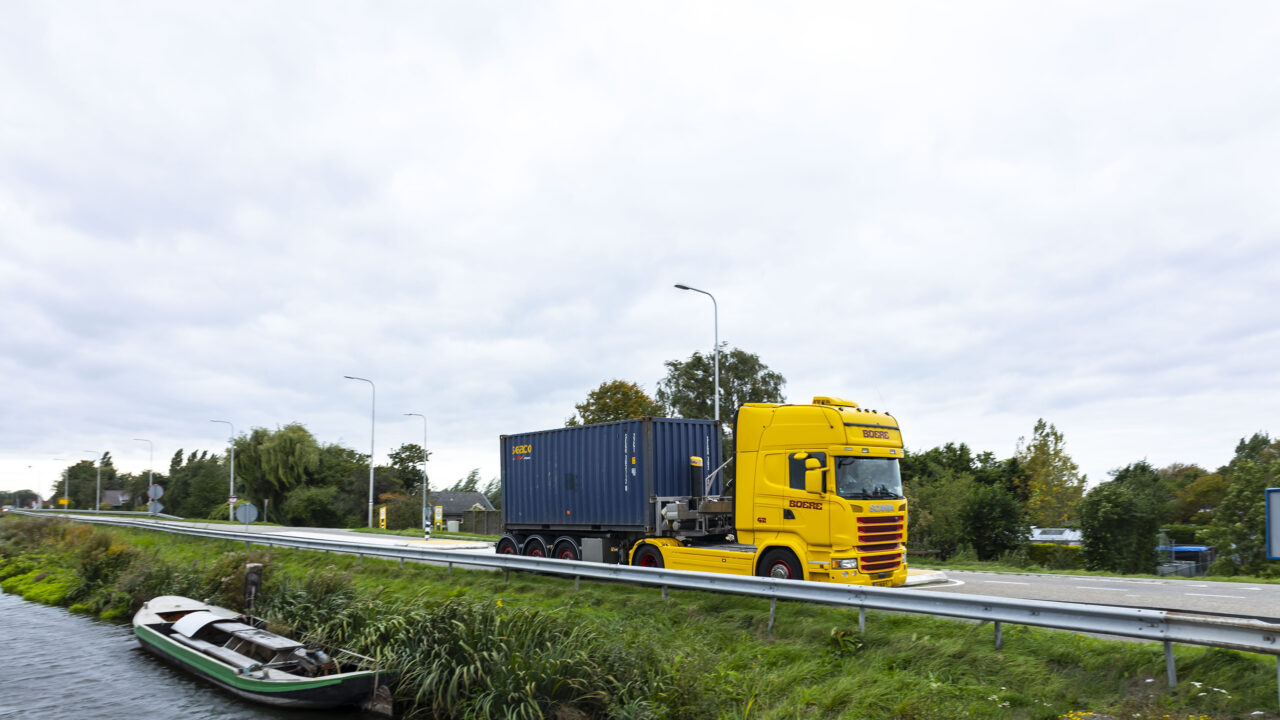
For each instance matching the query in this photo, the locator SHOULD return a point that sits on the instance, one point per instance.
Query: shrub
(1055, 556)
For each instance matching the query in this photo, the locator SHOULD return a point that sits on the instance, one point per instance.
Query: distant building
(1058, 536)
(456, 503)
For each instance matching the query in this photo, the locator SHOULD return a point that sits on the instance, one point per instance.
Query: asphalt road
(1186, 594)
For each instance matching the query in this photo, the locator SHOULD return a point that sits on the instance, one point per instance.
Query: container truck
(816, 494)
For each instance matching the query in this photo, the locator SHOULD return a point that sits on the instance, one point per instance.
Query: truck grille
(878, 534)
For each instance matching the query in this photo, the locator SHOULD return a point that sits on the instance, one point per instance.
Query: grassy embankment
(474, 645)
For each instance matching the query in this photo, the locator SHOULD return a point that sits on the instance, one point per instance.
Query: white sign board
(1273, 523)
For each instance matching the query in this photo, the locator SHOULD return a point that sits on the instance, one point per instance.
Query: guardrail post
(402, 562)
(506, 575)
(664, 592)
(862, 621)
(576, 579)
(449, 570)
(773, 612)
(1170, 668)
(999, 635)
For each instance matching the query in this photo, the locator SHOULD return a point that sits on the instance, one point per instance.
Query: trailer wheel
(535, 547)
(566, 550)
(780, 564)
(647, 556)
(507, 546)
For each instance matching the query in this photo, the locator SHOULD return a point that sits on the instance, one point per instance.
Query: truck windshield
(866, 478)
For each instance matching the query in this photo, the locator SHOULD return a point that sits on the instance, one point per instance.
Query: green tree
(196, 485)
(688, 390)
(313, 506)
(1196, 501)
(991, 521)
(493, 491)
(934, 519)
(1237, 528)
(406, 465)
(1119, 526)
(251, 478)
(1052, 481)
(347, 471)
(614, 400)
(403, 511)
(470, 483)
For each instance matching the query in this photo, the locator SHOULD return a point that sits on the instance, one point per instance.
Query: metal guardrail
(1165, 626)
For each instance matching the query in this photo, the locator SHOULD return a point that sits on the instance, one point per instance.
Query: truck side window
(796, 467)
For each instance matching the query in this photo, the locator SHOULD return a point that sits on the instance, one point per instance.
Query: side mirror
(813, 476)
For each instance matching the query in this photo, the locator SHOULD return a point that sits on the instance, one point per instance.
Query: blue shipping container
(601, 477)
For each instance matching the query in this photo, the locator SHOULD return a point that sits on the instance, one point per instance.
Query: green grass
(473, 644)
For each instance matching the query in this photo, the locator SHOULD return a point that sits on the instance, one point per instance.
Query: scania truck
(816, 494)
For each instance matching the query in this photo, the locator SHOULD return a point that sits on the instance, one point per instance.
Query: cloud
(971, 216)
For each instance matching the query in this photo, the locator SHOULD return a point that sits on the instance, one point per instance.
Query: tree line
(291, 477)
(961, 501)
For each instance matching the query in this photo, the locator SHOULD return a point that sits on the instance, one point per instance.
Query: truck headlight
(846, 564)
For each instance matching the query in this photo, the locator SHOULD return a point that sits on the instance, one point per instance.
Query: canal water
(56, 665)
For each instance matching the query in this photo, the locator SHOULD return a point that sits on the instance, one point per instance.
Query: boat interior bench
(230, 657)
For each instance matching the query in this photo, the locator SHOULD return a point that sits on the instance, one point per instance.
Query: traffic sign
(155, 506)
(231, 499)
(155, 492)
(63, 501)
(246, 513)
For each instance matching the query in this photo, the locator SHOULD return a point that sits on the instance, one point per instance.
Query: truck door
(805, 508)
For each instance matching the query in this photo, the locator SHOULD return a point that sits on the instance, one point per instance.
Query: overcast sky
(972, 215)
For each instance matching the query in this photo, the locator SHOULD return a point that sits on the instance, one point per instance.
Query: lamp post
(151, 461)
(715, 307)
(66, 486)
(231, 490)
(97, 505)
(424, 467)
(373, 409)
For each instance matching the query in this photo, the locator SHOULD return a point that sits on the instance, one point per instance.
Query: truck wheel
(780, 565)
(647, 556)
(507, 546)
(566, 550)
(535, 547)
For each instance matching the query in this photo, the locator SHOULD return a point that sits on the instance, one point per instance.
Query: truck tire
(508, 546)
(647, 556)
(566, 549)
(535, 546)
(780, 564)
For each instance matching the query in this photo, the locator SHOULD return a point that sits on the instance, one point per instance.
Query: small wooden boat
(235, 653)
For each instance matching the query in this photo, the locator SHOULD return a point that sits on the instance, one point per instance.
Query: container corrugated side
(600, 477)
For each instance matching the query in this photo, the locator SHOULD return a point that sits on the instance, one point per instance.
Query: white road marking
(1234, 597)
(1085, 587)
(1005, 582)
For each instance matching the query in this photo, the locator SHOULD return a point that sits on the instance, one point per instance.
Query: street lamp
(231, 490)
(97, 506)
(715, 307)
(424, 467)
(66, 486)
(150, 464)
(373, 408)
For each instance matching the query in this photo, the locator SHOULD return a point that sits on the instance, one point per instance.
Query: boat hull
(343, 690)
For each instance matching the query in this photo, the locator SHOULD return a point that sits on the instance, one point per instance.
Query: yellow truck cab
(817, 496)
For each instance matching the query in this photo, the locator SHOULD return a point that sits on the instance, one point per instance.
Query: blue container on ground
(602, 477)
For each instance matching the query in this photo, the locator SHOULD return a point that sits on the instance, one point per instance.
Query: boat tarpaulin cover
(190, 624)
